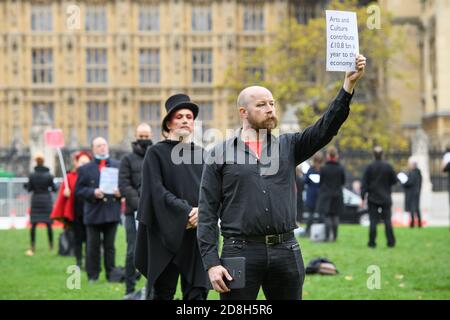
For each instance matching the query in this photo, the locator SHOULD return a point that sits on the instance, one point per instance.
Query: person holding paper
(249, 184)
(101, 210)
(166, 245)
(129, 185)
(377, 182)
(412, 187)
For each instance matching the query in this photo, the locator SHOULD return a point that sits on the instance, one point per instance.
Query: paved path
(435, 209)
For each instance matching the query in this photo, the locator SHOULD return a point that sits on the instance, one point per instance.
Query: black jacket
(377, 182)
(130, 177)
(96, 211)
(300, 184)
(332, 180)
(168, 194)
(40, 183)
(412, 191)
(447, 169)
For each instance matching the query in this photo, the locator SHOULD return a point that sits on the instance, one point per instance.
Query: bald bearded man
(249, 183)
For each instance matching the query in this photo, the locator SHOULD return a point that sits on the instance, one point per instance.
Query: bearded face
(262, 121)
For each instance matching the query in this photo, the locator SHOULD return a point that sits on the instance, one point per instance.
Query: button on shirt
(256, 195)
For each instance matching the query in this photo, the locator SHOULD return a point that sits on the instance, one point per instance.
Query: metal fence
(14, 198)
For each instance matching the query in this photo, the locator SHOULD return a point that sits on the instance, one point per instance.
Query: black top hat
(176, 102)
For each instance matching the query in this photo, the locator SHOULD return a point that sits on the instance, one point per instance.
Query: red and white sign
(54, 138)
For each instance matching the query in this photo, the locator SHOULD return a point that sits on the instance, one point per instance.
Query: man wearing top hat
(166, 245)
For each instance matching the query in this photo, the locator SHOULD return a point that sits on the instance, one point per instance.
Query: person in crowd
(377, 182)
(68, 208)
(312, 182)
(330, 203)
(248, 183)
(412, 192)
(299, 183)
(446, 168)
(166, 244)
(129, 186)
(101, 213)
(40, 183)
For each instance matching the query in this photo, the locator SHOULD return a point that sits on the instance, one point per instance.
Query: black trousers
(130, 269)
(375, 213)
(331, 226)
(414, 215)
(33, 234)
(278, 269)
(97, 234)
(166, 285)
(310, 219)
(79, 232)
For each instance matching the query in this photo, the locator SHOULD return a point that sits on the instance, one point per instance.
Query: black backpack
(321, 266)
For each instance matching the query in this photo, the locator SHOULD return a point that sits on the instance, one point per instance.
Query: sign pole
(63, 167)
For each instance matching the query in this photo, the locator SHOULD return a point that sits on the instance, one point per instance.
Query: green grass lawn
(418, 268)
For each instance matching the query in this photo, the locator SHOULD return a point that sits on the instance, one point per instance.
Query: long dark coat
(169, 192)
(332, 179)
(40, 183)
(412, 191)
(96, 211)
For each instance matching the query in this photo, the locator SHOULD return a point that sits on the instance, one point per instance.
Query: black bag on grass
(321, 266)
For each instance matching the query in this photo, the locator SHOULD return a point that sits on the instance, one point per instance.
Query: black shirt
(258, 197)
(447, 169)
(332, 178)
(378, 179)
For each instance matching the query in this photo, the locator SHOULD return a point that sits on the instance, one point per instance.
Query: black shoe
(391, 245)
(371, 245)
(137, 276)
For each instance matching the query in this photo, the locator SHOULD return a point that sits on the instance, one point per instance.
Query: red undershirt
(255, 146)
(101, 165)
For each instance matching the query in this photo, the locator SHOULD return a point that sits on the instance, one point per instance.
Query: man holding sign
(101, 209)
(256, 205)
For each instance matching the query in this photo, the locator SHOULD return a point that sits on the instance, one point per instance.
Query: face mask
(144, 143)
(100, 157)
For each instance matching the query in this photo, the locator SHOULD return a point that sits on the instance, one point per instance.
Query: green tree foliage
(294, 70)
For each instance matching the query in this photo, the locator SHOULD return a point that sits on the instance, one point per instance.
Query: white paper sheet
(342, 40)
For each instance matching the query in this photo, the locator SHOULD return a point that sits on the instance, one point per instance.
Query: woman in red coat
(69, 208)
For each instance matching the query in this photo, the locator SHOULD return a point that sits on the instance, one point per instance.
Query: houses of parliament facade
(101, 67)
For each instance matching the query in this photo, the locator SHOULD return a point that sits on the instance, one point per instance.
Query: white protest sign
(446, 158)
(402, 177)
(109, 180)
(342, 40)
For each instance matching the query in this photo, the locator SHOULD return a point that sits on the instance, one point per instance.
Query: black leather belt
(272, 239)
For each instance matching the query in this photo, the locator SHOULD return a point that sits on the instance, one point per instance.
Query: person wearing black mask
(129, 184)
